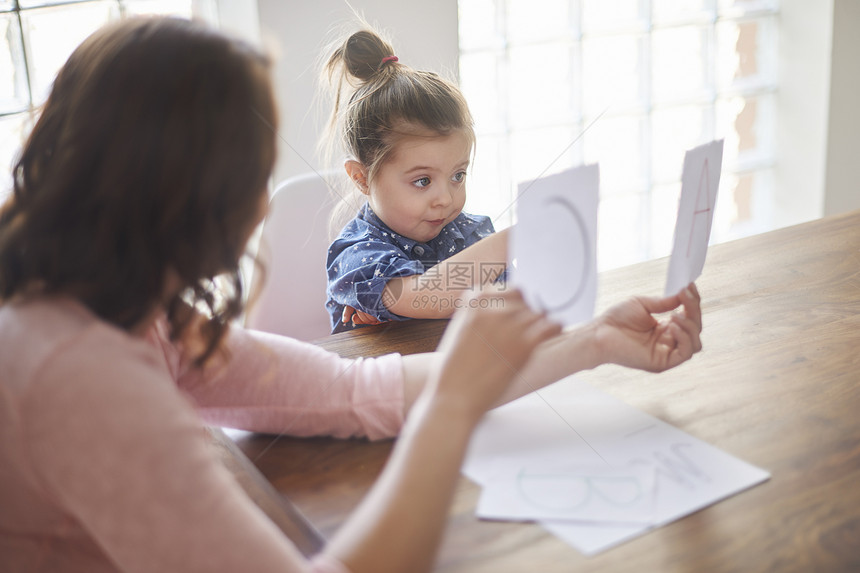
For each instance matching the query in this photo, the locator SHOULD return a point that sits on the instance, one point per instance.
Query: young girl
(409, 138)
(133, 199)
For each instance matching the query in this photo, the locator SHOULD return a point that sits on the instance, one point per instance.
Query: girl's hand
(358, 317)
(628, 334)
(484, 348)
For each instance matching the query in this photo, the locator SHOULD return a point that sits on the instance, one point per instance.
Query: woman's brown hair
(150, 156)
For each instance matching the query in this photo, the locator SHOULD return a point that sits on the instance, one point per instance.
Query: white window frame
(714, 15)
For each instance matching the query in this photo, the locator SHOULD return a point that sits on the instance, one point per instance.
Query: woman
(133, 199)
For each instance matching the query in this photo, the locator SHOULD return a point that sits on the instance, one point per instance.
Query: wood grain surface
(777, 385)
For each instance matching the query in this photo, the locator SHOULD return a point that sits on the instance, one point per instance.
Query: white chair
(288, 297)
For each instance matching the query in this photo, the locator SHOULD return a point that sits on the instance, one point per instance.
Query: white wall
(805, 33)
(842, 185)
(817, 121)
(424, 34)
(238, 17)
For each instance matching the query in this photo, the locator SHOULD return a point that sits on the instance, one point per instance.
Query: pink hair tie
(387, 59)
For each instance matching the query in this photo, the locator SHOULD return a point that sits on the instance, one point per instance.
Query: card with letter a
(699, 182)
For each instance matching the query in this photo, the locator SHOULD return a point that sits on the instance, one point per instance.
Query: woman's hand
(628, 334)
(484, 348)
(357, 317)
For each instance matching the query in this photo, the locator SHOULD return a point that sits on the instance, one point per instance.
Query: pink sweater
(104, 465)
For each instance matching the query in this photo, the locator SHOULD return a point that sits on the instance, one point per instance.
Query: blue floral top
(367, 253)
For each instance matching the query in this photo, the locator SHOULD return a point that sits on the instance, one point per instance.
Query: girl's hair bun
(362, 54)
(378, 100)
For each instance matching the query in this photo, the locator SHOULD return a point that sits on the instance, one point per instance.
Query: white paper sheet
(576, 424)
(700, 180)
(553, 245)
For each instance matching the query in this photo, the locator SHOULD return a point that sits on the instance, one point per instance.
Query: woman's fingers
(659, 305)
(502, 325)
(690, 319)
(691, 300)
(683, 350)
(689, 329)
(689, 297)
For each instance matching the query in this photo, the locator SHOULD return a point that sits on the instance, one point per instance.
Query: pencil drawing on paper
(565, 491)
(676, 466)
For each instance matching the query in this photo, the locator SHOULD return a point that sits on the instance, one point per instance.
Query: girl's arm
(439, 292)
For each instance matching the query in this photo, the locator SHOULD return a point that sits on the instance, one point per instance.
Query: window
(37, 38)
(630, 84)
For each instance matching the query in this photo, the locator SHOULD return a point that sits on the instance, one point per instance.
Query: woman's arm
(628, 334)
(482, 361)
(399, 524)
(271, 383)
(488, 357)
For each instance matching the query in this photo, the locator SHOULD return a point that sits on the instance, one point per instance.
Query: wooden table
(777, 385)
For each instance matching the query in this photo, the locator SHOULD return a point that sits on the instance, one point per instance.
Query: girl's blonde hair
(378, 100)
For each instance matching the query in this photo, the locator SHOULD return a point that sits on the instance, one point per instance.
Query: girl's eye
(422, 182)
(459, 177)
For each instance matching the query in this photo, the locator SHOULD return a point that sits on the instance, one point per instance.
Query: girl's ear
(358, 173)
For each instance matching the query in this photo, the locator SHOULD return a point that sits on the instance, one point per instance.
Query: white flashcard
(554, 244)
(699, 182)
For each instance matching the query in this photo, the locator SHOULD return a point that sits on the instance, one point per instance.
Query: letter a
(703, 203)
